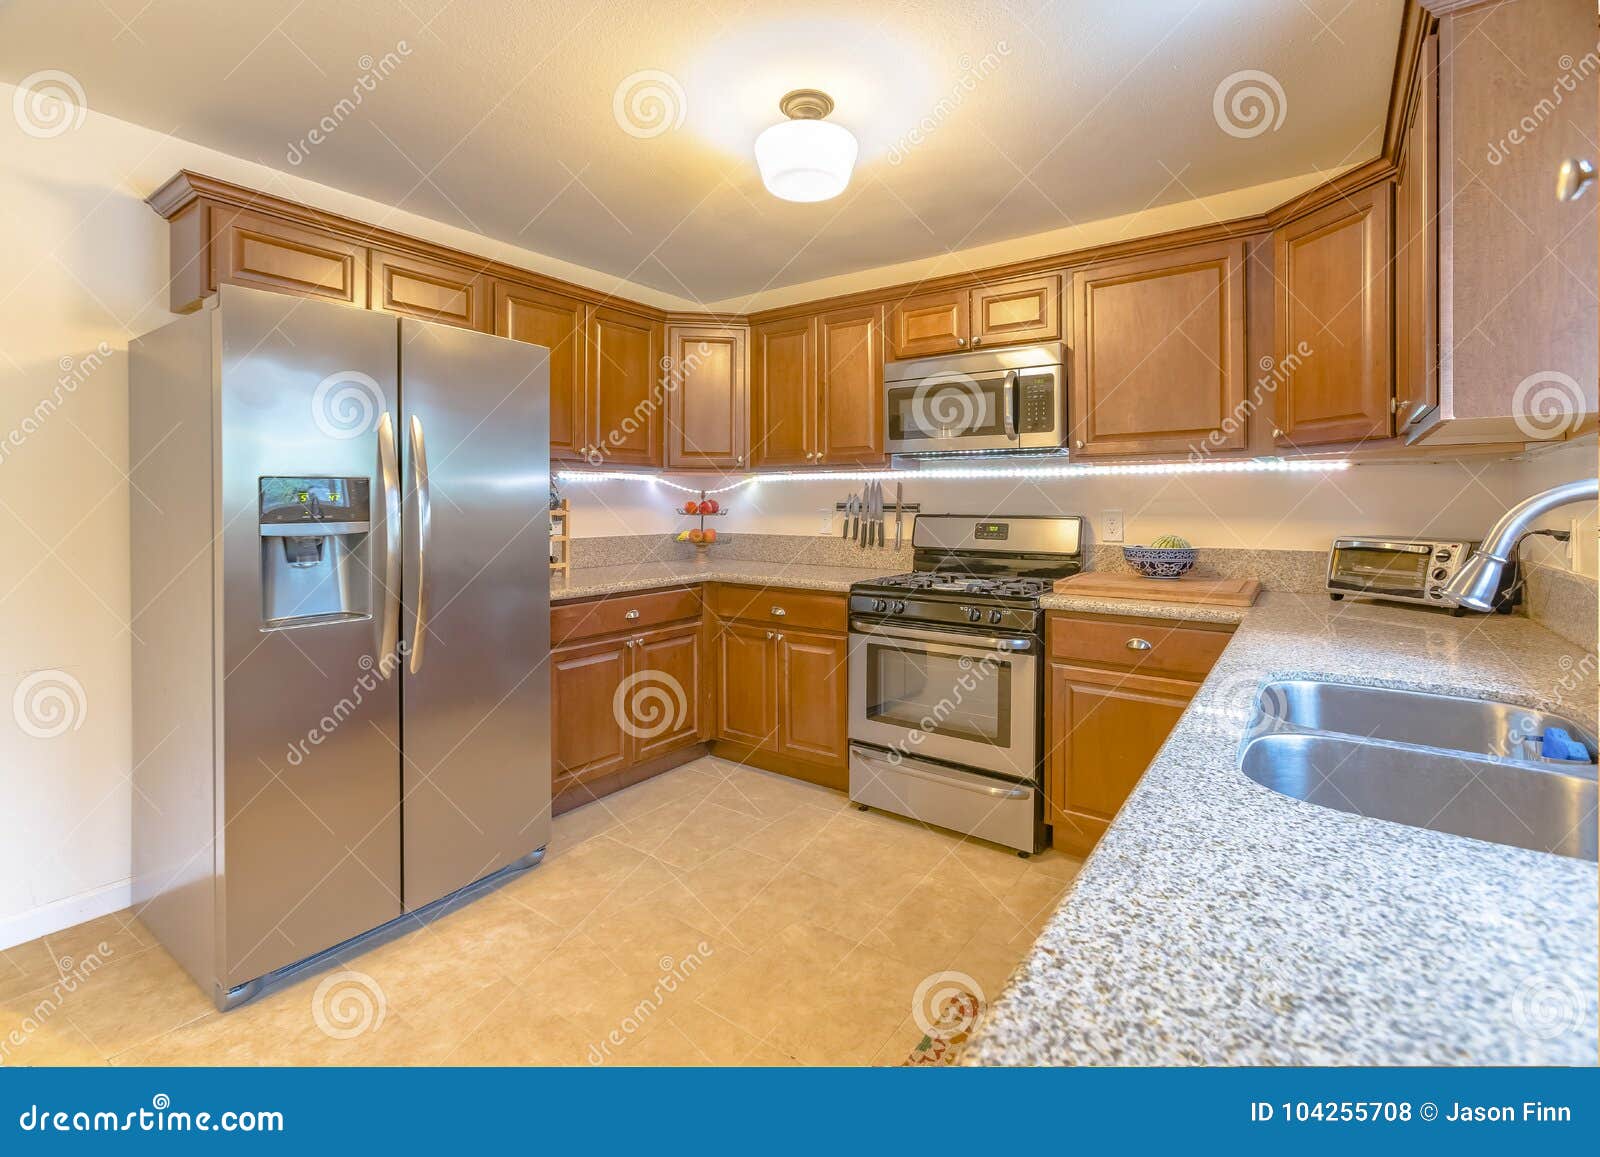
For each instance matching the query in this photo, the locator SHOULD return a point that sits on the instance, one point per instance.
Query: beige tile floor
(712, 915)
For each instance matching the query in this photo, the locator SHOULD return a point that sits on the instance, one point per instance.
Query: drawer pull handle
(1137, 644)
(778, 612)
(631, 616)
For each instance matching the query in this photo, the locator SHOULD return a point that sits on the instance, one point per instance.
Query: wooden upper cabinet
(1331, 322)
(264, 252)
(430, 290)
(930, 323)
(625, 400)
(542, 318)
(1159, 352)
(850, 394)
(1017, 311)
(1416, 258)
(783, 393)
(708, 397)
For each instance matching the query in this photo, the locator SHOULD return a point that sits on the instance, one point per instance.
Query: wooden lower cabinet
(663, 704)
(586, 739)
(1107, 714)
(813, 696)
(747, 697)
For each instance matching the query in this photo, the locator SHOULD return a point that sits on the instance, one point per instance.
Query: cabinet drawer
(781, 606)
(634, 611)
(1146, 646)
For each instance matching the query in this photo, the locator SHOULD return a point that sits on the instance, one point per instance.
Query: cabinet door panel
(1017, 311)
(248, 249)
(624, 373)
(930, 323)
(745, 676)
(812, 696)
(1332, 322)
(850, 365)
(707, 404)
(783, 393)
(663, 701)
(1102, 734)
(587, 740)
(429, 290)
(1159, 357)
(1416, 264)
(557, 323)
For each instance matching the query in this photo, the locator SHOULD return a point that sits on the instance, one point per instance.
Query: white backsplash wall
(1253, 511)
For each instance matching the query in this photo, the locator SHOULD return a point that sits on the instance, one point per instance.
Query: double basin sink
(1470, 767)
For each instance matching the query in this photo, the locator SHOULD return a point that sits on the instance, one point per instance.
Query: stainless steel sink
(1546, 808)
(1475, 726)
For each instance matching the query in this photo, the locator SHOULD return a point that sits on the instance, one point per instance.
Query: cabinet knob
(778, 612)
(630, 643)
(1277, 433)
(739, 459)
(1077, 443)
(631, 616)
(1137, 644)
(810, 455)
(961, 341)
(976, 342)
(769, 634)
(1572, 179)
(778, 638)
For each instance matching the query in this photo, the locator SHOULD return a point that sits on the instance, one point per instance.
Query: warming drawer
(1003, 811)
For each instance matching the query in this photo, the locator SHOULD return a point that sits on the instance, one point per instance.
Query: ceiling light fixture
(805, 158)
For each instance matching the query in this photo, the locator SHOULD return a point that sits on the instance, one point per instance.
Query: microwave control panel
(1038, 405)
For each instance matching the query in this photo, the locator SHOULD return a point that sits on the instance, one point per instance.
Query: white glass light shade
(805, 160)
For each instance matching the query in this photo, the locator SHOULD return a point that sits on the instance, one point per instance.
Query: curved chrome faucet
(1476, 584)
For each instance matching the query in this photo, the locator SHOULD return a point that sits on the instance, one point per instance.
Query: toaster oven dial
(1442, 555)
(1440, 574)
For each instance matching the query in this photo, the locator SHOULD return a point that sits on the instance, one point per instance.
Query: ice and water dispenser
(314, 564)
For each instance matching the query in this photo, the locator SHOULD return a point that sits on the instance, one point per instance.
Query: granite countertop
(588, 582)
(1221, 923)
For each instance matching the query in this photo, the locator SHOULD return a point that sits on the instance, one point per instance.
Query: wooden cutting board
(1234, 592)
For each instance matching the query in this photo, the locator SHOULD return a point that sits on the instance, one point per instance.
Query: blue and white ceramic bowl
(1160, 562)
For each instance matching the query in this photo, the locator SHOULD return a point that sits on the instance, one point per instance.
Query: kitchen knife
(899, 501)
(880, 516)
(875, 531)
(872, 514)
(861, 523)
(844, 522)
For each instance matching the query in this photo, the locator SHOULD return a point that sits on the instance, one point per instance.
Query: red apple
(691, 507)
(705, 508)
(710, 535)
(711, 502)
(697, 535)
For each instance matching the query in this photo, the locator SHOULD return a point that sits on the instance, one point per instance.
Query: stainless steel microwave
(1409, 570)
(1003, 399)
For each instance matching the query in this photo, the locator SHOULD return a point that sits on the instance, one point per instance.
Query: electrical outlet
(1111, 525)
(825, 523)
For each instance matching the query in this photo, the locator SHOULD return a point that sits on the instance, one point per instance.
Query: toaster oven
(1407, 570)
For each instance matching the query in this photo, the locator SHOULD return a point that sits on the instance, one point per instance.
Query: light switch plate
(1111, 525)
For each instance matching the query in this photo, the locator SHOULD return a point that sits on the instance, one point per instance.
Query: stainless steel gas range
(947, 675)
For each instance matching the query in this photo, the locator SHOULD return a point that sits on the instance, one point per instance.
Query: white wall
(1544, 469)
(1258, 511)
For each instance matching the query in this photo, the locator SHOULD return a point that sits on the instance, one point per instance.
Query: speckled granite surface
(587, 582)
(1221, 923)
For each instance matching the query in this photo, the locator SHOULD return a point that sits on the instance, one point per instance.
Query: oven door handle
(948, 638)
(965, 781)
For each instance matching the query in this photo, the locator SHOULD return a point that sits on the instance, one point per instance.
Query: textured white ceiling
(978, 122)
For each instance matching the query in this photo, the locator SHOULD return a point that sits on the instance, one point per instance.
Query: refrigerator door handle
(419, 463)
(389, 467)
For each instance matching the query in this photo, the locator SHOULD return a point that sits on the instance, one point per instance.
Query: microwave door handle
(1008, 406)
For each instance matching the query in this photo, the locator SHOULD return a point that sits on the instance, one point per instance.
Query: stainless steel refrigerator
(340, 539)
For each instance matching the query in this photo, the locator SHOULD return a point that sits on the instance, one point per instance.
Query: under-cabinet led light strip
(1097, 470)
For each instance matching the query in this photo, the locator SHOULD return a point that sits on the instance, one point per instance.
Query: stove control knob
(899, 607)
(974, 614)
(879, 605)
(995, 616)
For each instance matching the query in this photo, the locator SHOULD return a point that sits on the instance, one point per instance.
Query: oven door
(968, 699)
(995, 410)
(1377, 567)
